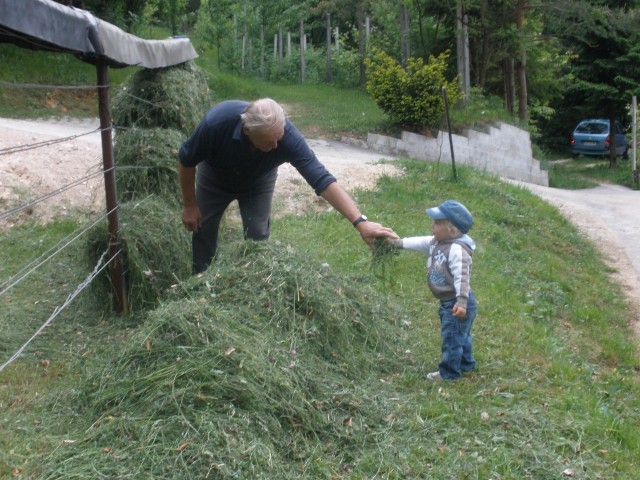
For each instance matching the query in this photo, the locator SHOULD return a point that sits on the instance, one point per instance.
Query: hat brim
(436, 213)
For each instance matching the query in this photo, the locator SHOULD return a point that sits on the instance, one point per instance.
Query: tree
(605, 60)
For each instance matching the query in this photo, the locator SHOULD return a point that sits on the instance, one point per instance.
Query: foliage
(480, 111)
(411, 96)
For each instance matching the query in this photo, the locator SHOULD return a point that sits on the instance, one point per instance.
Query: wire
(53, 193)
(96, 271)
(31, 268)
(45, 143)
(50, 87)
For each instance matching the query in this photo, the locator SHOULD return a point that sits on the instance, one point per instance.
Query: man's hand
(369, 231)
(191, 218)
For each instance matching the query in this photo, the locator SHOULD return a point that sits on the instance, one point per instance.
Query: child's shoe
(434, 376)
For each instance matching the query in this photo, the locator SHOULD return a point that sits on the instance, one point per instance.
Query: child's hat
(453, 211)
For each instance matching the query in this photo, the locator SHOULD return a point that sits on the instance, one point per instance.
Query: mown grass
(552, 392)
(556, 393)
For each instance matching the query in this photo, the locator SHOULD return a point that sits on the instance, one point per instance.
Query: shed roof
(47, 25)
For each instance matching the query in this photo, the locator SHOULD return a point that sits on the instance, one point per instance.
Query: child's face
(440, 230)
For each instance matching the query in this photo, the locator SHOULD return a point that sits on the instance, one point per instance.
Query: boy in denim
(450, 252)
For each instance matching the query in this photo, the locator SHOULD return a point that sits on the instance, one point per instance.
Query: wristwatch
(359, 220)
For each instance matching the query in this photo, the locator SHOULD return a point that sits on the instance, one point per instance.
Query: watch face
(364, 217)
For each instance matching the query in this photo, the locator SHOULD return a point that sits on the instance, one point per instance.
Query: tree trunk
(523, 111)
(613, 155)
(508, 84)
(405, 51)
(361, 45)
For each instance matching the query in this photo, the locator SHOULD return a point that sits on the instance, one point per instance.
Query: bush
(412, 97)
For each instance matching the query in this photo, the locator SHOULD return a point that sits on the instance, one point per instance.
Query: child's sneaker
(433, 376)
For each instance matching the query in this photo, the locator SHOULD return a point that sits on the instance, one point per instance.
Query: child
(449, 252)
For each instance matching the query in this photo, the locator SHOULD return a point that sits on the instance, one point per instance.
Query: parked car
(592, 137)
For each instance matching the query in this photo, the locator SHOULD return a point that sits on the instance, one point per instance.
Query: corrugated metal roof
(47, 25)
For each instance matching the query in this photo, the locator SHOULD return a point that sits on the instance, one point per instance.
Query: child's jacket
(448, 265)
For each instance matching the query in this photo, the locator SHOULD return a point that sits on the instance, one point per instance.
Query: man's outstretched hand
(369, 231)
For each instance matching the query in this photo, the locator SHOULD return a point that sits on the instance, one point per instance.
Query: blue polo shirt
(219, 142)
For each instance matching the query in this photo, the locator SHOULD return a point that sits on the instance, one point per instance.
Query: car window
(594, 128)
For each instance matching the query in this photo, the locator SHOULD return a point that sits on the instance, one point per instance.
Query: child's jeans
(457, 345)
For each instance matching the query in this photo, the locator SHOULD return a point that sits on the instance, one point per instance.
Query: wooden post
(329, 75)
(302, 48)
(115, 247)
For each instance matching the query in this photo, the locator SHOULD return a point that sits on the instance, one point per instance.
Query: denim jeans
(457, 344)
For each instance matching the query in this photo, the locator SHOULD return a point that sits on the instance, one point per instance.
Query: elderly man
(237, 149)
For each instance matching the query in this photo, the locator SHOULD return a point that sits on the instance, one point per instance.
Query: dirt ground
(608, 215)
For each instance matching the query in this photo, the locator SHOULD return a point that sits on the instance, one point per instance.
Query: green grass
(557, 386)
(583, 172)
(551, 392)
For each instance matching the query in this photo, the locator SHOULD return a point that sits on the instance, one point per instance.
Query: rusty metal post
(117, 272)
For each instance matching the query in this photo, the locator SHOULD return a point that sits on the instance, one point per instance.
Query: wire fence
(36, 266)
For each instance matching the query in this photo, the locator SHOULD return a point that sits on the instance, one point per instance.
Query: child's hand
(459, 311)
(394, 242)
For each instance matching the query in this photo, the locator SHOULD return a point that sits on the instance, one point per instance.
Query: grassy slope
(557, 385)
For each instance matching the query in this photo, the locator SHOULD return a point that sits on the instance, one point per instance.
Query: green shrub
(411, 96)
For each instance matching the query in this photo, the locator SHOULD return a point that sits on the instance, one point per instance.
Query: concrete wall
(504, 150)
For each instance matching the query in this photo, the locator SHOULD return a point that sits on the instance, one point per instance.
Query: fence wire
(30, 268)
(84, 284)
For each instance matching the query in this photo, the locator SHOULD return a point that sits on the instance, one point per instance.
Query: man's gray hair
(263, 116)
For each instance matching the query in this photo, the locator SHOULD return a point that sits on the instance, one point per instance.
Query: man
(237, 149)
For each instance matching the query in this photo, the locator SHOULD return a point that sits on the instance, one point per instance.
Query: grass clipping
(146, 161)
(174, 98)
(156, 251)
(268, 365)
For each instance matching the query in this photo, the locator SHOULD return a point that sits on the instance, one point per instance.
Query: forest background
(550, 62)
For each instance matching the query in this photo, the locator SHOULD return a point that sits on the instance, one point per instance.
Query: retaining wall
(504, 150)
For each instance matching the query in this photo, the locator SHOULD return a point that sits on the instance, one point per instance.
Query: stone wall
(504, 150)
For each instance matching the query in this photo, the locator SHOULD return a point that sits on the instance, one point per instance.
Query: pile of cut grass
(154, 112)
(156, 251)
(146, 163)
(259, 368)
(175, 98)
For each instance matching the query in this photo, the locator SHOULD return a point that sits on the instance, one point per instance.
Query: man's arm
(191, 216)
(343, 203)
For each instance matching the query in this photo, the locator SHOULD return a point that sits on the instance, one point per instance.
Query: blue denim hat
(453, 211)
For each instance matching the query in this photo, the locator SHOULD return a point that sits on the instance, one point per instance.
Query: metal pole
(446, 113)
(117, 273)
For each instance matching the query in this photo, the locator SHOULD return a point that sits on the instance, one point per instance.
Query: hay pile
(175, 98)
(146, 163)
(259, 368)
(156, 251)
(153, 113)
